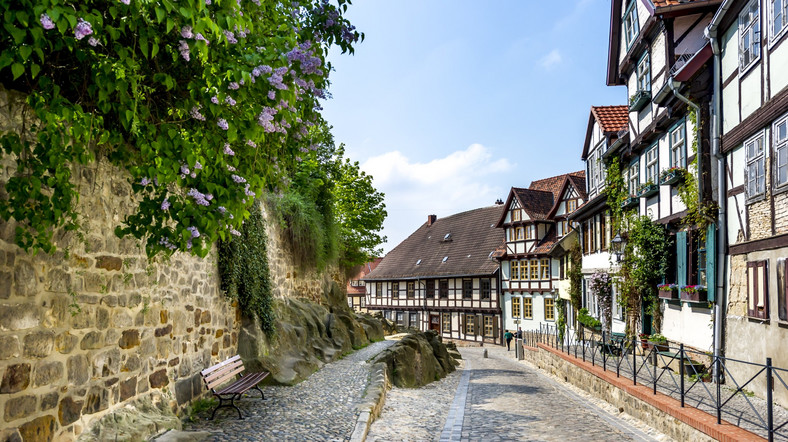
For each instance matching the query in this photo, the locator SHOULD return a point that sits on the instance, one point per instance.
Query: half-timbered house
(534, 222)
(357, 289)
(443, 277)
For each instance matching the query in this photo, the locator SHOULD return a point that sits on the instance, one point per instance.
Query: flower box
(638, 101)
(693, 293)
(672, 176)
(630, 201)
(647, 190)
(669, 293)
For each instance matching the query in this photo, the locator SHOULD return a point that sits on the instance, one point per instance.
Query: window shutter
(681, 258)
(477, 324)
(782, 289)
(462, 323)
(495, 326)
(764, 291)
(711, 259)
(752, 292)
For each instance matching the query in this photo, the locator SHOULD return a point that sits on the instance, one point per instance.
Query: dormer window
(447, 237)
(516, 215)
(418, 262)
(631, 26)
(445, 258)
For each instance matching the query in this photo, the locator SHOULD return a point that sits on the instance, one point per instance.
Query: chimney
(498, 202)
(431, 219)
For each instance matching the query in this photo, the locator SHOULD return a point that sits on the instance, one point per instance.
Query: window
(414, 320)
(515, 307)
(515, 270)
(378, 289)
(590, 227)
(443, 288)
(756, 164)
(467, 289)
(524, 275)
(528, 308)
(470, 322)
(780, 137)
(363, 302)
(411, 289)
(486, 288)
(530, 232)
(517, 215)
(519, 236)
(782, 289)
(633, 180)
(631, 26)
(678, 147)
(446, 323)
(757, 290)
(394, 289)
(488, 326)
(644, 74)
(430, 289)
(549, 309)
(563, 228)
(604, 239)
(401, 319)
(571, 206)
(534, 269)
(545, 266)
(779, 10)
(749, 35)
(652, 165)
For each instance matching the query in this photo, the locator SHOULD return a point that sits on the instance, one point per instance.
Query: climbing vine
(576, 276)
(206, 103)
(700, 214)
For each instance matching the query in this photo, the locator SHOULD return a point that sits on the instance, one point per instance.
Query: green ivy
(244, 271)
(576, 276)
(700, 214)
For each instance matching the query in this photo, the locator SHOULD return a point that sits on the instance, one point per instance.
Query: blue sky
(449, 104)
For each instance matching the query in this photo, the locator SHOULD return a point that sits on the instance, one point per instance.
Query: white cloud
(551, 59)
(460, 181)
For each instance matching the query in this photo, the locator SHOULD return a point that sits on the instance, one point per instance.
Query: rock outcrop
(418, 359)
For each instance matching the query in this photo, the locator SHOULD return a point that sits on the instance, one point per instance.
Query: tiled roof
(611, 118)
(547, 243)
(578, 180)
(361, 271)
(500, 252)
(537, 203)
(552, 185)
(356, 290)
(472, 239)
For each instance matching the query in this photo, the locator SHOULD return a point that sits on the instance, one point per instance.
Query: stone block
(142, 385)
(132, 363)
(112, 335)
(49, 400)
(39, 344)
(110, 300)
(128, 388)
(163, 316)
(84, 319)
(121, 319)
(16, 378)
(159, 379)
(215, 349)
(19, 407)
(173, 362)
(205, 317)
(102, 318)
(69, 410)
(92, 341)
(25, 279)
(197, 314)
(97, 400)
(163, 331)
(10, 435)
(59, 281)
(5, 285)
(109, 262)
(47, 373)
(41, 428)
(129, 339)
(19, 316)
(65, 342)
(106, 363)
(163, 348)
(10, 258)
(78, 369)
(148, 347)
(9, 347)
(183, 391)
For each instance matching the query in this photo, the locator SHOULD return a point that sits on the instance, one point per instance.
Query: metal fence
(694, 378)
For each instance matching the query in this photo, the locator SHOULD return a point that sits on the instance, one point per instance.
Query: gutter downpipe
(722, 199)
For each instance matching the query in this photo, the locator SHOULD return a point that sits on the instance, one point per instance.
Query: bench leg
(262, 396)
(231, 404)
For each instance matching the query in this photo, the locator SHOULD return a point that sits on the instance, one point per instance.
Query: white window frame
(644, 74)
(781, 10)
(633, 177)
(630, 24)
(757, 160)
(750, 29)
(678, 146)
(652, 164)
(780, 142)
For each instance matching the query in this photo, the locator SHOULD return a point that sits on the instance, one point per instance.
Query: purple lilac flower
(241, 82)
(233, 86)
(197, 165)
(303, 149)
(265, 119)
(47, 22)
(299, 159)
(193, 174)
(208, 196)
(195, 232)
(215, 99)
(195, 113)
(165, 205)
(184, 169)
(207, 2)
(93, 42)
(166, 243)
(82, 29)
(272, 95)
(126, 2)
(247, 191)
(222, 123)
(145, 181)
(238, 179)
(199, 197)
(251, 143)
(227, 150)
(189, 244)
(199, 37)
(230, 37)
(229, 100)
(186, 32)
(183, 48)
(235, 232)
(256, 2)
(230, 168)
(221, 209)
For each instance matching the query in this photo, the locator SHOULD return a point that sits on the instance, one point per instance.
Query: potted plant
(629, 201)
(693, 293)
(639, 100)
(647, 189)
(660, 342)
(644, 341)
(668, 291)
(672, 175)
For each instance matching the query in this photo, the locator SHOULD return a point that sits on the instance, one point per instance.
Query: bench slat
(224, 379)
(243, 384)
(213, 368)
(226, 369)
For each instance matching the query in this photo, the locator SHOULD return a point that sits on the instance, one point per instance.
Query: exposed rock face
(307, 336)
(418, 359)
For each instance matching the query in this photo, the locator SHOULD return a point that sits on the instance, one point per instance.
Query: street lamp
(618, 246)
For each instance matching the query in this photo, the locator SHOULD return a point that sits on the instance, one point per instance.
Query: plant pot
(629, 202)
(672, 178)
(638, 101)
(669, 294)
(645, 344)
(647, 191)
(662, 347)
(696, 296)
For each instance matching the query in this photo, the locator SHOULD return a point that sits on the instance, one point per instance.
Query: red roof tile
(611, 119)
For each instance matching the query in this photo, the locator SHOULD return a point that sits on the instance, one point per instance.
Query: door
(435, 322)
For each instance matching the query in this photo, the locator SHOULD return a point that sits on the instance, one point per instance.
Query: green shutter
(711, 260)
(681, 259)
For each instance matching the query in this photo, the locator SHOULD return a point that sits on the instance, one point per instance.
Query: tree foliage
(205, 102)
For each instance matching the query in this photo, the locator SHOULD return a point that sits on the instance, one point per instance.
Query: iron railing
(698, 379)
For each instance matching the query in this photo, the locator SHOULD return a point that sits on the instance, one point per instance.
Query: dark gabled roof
(541, 199)
(579, 182)
(472, 240)
(536, 203)
(547, 243)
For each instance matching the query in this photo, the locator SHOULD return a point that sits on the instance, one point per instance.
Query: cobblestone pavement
(321, 408)
(497, 399)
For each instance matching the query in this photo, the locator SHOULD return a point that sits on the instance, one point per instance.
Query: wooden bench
(217, 375)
